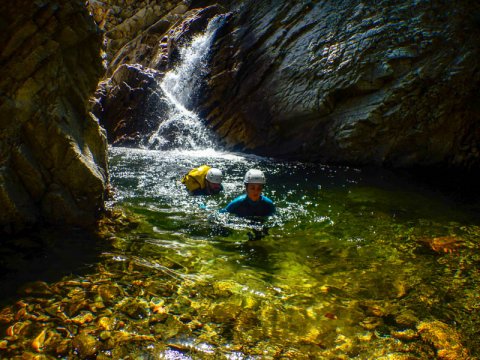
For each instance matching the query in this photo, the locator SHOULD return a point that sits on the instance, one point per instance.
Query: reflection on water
(353, 265)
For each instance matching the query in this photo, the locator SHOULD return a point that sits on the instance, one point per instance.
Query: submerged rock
(443, 244)
(85, 345)
(445, 339)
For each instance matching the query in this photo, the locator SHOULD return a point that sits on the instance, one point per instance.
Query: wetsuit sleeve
(232, 206)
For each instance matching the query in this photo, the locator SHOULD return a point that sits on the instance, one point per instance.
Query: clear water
(355, 264)
(347, 248)
(348, 268)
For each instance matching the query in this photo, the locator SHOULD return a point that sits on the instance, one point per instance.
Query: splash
(183, 128)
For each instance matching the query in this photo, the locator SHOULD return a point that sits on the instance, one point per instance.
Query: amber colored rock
(443, 244)
(445, 339)
(86, 345)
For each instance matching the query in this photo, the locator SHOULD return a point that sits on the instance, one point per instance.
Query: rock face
(125, 20)
(130, 104)
(387, 83)
(383, 83)
(53, 164)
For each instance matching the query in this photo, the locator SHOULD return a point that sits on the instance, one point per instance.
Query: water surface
(356, 263)
(346, 258)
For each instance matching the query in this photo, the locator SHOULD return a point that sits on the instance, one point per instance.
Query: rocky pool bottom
(354, 265)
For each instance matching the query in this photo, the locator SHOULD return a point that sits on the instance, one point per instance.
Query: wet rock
(38, 288)
(39, 341)
(31, 356)
(445, 339)
(105, 335)
(53, 152)
(371, 323)
(369, 84)
(401, 288)
(6, 315)
(109, 293)
(405, 335)
(83, 318)
(226, 288)
(135, 308)
(373, 308)
(19, 328)
(85, 345)
(129, 104)
(77, 304)
(443, 244)
(63, 347)
(106, 323)
(158, 318)
(406, 319)
(171, 328)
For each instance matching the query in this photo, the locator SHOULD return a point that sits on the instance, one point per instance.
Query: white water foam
(182, 128)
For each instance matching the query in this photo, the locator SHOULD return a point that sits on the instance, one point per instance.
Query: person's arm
(229, 208)
(232, 206)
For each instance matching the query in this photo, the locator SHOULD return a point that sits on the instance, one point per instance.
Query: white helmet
(254, 176)
(214, 176)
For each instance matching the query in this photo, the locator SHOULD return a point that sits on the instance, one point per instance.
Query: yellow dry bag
(195, 179)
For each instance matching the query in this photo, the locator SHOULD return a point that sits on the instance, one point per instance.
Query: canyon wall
(384, 83)
(53, 165)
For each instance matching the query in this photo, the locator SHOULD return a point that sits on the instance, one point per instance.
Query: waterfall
(182, 128)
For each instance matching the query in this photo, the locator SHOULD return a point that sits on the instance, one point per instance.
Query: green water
(347, 268)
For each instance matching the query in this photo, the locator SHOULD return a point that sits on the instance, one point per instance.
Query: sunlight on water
(354, 264)
(344, 246)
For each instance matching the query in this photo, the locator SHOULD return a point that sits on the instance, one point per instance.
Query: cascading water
(182, 128)
(354, 264)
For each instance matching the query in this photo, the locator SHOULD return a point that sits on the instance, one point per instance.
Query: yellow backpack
(195, 179)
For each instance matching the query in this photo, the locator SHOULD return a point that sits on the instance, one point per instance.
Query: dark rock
(341, 82)
(53, 165)
(350, 82)
(129, 104)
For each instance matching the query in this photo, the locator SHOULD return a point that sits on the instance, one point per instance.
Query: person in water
(203, 180)
(252, 203)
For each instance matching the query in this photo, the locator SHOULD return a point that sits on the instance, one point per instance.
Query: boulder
(129, 104)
